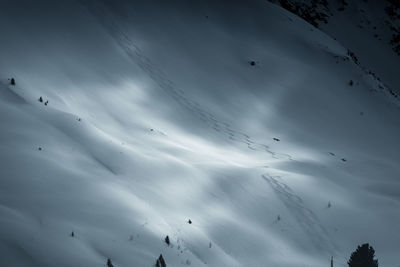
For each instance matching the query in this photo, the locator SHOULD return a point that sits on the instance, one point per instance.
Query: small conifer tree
(363, 257)
(161, 262)
(109, 263)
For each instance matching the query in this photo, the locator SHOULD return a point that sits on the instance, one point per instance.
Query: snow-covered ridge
(360, 25)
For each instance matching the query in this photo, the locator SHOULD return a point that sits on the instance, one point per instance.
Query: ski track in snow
(306, 218)
(157, 75)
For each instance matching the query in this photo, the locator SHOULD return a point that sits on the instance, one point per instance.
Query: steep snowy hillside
(370, 30)
(130, 118)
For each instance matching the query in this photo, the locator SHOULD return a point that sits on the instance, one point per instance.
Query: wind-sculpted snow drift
(237, 116)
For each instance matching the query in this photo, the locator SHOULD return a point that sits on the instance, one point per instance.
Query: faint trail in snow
(18, 250)
(9, 93)
(104, 164)
(306, 218)
(158, 76)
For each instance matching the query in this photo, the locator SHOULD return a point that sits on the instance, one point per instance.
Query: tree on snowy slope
(363, 257)
(161, 262)
(109, 263)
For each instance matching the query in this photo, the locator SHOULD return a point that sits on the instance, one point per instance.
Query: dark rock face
(314, 11)
(393, 12)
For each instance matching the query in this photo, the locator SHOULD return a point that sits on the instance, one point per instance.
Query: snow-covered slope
(156, 116)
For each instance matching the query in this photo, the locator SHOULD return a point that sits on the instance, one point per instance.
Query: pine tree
(167, 240)
(109, 263)
(363, 257)
(161, 262)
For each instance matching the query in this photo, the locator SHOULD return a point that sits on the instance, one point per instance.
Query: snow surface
(155, 117)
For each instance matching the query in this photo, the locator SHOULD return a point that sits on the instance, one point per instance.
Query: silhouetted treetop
(363, 257)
